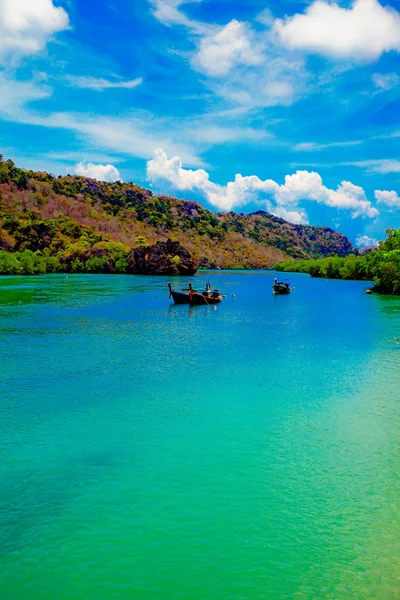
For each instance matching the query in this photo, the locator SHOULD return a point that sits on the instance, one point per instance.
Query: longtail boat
(196, 297)
(281, 287)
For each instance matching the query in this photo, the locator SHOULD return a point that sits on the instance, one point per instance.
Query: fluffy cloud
(293, 216)
(27, 25)
(99, 172)
(364, 241)
(222, 51)
(160, 168)
(364, 31)
(280, 199)
(99, 83)
(306, 185)
(391, 199)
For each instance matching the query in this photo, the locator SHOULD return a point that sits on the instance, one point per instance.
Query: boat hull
(281, 289)
(203, 299)
(180, 298)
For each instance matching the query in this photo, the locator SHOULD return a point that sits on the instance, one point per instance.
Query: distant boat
(196, 297)
(281, 287)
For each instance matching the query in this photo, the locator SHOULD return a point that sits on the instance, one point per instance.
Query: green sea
(248, 451)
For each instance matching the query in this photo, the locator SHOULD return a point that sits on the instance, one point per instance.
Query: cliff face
(70, 216)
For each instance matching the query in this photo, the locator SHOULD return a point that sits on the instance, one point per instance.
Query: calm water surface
(151, 451)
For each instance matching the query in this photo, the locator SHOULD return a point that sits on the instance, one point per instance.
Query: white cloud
(389, 198)
(385, 82)
(222, 51)
(279, 78)
(362, 32)
(27, 25)
(235, 193)
(306, 185)
(260, 66)
(99, 83)
(383, 165)
(301, 186)
(283, 77)
(99, 172)
(169, 13)
(171, 170)
(387, 136)
(134, 134)
(204, 132)
(249, 67)
(351, 197)
(313, 146)
(364, 241)
(125, 135)
(244, 65)
(128, 135)
(15, 94)
(279, 93)
(292, 216)
(240, 192)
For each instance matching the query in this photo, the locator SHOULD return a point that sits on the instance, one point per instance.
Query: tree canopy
(381, 265)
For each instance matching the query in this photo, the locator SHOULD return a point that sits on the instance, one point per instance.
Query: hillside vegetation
(77, 224)
(381, 265)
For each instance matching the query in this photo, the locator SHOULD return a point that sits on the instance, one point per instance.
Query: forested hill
(77, 219)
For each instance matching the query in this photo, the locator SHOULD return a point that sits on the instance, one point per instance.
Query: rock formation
(163, 258)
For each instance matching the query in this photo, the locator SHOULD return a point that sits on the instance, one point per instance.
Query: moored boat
(196, 297)
(207, 296)
(281, 287)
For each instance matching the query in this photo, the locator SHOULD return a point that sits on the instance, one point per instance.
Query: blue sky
(291, 107)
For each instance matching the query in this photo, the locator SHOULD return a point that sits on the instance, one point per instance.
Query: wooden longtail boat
(281, 287)
(196, 297)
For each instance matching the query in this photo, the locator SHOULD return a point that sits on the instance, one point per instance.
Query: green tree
(9, 264)
(140, 240)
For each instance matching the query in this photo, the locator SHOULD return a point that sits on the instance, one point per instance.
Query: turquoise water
(245, 451)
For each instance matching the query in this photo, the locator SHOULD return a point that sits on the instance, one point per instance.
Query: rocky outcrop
(164, 258)
(205, 263)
